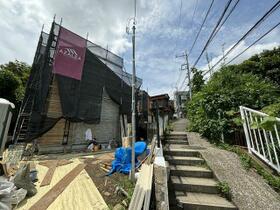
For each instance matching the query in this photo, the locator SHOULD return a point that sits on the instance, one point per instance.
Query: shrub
(265, 65)
(273, 109)
(215, 109)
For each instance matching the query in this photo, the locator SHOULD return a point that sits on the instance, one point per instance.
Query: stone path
(249, 190)
(191, 184)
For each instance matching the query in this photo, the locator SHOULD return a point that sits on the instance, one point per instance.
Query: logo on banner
(70, 52)
(70, 55)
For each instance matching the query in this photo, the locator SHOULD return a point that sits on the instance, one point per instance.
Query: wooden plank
(141, 196)
(53, 193)
(54, 135)
(64, 162)
(48, 177)
(137, 190)
(149, 189)
(142, 192)
(51, 164)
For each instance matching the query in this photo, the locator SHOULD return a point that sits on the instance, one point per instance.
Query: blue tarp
(122, 162)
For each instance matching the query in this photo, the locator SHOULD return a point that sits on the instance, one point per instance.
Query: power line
(268, 13)
(176, 84)
(211, 35)
(194, 11)
(180, 16)
(203, 22)
(178, 25)
(232, 9)
(270, 30)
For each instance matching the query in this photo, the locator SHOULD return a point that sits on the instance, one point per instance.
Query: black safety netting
(81, 100)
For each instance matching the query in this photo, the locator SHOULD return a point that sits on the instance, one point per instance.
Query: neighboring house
(143, 114)
(62, 102)
(180, 100)
(165, 110)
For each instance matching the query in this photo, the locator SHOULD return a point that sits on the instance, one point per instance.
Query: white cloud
(255, 49)
(160, 33)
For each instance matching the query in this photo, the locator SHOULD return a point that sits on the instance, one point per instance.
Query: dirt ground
(107, 185)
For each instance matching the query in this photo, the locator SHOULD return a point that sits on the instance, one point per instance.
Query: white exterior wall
(5, 120)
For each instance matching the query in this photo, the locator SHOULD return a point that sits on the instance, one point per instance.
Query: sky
(164, 29)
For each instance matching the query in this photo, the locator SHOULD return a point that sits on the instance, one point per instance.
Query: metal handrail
(260, 142)
(257, 112)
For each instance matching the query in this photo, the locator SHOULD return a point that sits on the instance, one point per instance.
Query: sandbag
(22, 180)
(5, 195)
(18, 195)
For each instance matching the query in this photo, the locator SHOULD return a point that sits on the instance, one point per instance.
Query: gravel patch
(249, 190)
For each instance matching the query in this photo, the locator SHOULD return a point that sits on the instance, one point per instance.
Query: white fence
(265, 144)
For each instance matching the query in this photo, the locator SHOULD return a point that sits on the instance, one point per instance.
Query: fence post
(245, 129)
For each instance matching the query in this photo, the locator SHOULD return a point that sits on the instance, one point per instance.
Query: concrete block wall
(108, 128)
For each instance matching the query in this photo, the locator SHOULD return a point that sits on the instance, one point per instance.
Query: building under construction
(74, 85)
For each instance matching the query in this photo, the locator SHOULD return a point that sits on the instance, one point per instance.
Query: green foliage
(224, 189)
(13, 78)
(10, 86)
(265, 65)
(197, 81)
(272, 180)
(272, 110)
(215, 109)
(247, 162)
(128, 186)
(267, 123)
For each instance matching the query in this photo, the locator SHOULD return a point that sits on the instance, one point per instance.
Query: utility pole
(133, 105)
(177, 101)
(188, 69)
(189, 75)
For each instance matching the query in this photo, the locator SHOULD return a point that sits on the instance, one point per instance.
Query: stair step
(190, 171)
(181, 160)
(176, 137)
(194, 184)
(185, 142)
(181, 152)
(178, 133)
(203, 201)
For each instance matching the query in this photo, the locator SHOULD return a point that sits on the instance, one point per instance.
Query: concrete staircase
(191, 184)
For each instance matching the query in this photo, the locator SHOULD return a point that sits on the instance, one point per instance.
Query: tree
(213, 110)
(265, 65)
(197, 81)
(20, 69)
(13, 79)
(9, 86)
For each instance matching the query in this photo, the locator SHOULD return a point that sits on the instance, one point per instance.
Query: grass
(128, 186)
(249, 163)
(224, 189)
